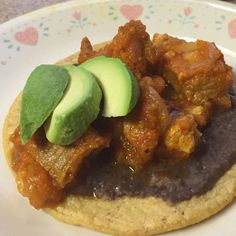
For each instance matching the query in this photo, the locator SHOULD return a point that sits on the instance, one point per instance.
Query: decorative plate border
(35, 30)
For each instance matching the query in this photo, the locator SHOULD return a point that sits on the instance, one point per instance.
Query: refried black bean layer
(169, 180)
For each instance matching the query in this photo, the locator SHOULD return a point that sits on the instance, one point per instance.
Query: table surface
(13, 8)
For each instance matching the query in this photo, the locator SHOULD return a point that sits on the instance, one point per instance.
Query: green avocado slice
(78, 108)
(120, 88)
(43, 90)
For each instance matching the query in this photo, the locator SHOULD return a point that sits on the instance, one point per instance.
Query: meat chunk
(177, 104)
(201, 113)
(182, 136)
(86, 50)
(141, 130)
(157, 82)
(43, 169)
(196, 70)
(33, 181)
(132, 45)
(63, 162)
(165, 43)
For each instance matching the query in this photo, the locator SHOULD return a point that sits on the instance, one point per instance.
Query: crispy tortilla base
(132, 216)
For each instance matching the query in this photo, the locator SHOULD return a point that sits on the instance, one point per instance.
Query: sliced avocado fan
(66, 99)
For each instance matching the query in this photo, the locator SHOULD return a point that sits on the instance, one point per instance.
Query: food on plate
(74, 108)
(137, 140)
(120, 99)
(38, 90)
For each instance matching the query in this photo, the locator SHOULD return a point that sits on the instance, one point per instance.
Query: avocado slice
(120, 88)
(77, 110)
(44, 89)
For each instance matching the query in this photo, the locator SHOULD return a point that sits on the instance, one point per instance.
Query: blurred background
(13, 8)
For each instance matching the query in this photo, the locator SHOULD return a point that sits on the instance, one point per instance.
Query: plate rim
(228, 6)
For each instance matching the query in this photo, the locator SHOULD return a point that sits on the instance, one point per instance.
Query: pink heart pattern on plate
(29, 36)
(131, 12)
(232, 28)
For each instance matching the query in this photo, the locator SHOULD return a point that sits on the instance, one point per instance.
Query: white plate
(52, 33)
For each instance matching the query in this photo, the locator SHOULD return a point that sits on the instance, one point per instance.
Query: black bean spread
(173, 181)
